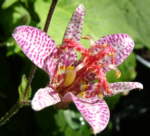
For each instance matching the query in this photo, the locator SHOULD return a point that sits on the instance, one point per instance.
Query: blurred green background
(102, 17)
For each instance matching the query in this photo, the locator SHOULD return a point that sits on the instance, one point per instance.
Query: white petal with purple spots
(38, 47)
(123, 45)
(122, 87)
(94, 110)
(75, 25)
(43, 98)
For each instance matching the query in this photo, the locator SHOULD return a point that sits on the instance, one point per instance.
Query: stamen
(80, 66)
(84, 87)
(58, 77)
(81, 94)
(117, 71)
(90, 38)
(112, 54)
(69, 43)
(87, 37)
(90, 62)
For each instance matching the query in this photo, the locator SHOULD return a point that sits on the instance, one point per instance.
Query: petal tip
(15, 31)
(80, 10)
(34, 106)
(19, 28)
(74, 28)
(81, 7)
(123, 87)
(140, 85)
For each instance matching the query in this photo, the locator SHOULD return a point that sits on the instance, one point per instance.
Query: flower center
(88, 78)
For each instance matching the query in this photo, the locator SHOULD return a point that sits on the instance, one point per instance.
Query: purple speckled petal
(75, 25)
(43, 98)
(123, 45)
(67, 57)
(73, 31)
(94, 110)
(38, 47)
(121, 87)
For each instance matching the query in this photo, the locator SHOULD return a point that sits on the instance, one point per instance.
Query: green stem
(16, 107)
(13, 110)
(30, 78)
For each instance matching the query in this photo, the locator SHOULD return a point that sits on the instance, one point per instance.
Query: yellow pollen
(84, 87)
(70, 75)
(111, 54)
(100, 95)
(87, 37)
(82, 94)
(90, 38)
(117, 73)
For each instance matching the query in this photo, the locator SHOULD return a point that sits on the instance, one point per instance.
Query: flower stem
(13, 110)
(19, 104)
(50, 13)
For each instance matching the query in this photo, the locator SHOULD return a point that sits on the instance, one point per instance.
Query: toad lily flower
(81, 81)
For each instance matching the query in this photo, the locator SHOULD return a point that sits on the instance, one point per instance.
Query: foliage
(23, 90)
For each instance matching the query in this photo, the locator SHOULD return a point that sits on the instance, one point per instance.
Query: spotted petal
(123, 45)
(67, 57)
(94, 110)
(38, 47)
(75, 25)
(122, 87)
(43, 98)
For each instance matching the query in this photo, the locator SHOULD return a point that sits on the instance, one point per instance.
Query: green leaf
(8, 3)
(74, 119)
(24, 94)
(12, 47)
(12, 17)
(70, 122)
(102, 18)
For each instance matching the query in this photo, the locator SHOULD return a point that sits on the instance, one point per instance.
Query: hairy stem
(16, 107)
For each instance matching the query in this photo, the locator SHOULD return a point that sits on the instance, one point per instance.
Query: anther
(117, 71)
(90, 38)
